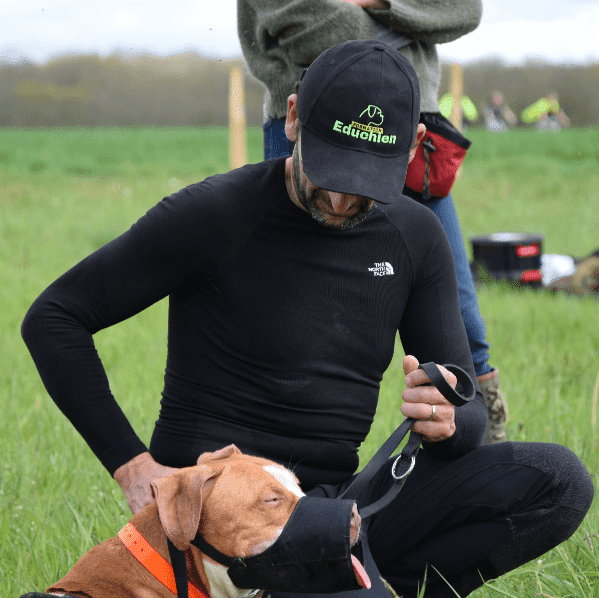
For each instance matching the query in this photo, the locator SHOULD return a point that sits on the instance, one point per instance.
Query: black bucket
(515, 257)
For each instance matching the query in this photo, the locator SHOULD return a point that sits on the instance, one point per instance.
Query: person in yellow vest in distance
(498, 116)
(467, 108)
(546, 114)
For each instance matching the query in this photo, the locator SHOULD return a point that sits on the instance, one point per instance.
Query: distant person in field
(546, 114)
(281, 37)
(288, 281)
(498, 115)
(468, 111)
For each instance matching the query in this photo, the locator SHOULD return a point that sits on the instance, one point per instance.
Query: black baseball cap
(359, 106)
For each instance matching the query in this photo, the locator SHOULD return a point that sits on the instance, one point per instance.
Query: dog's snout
(356, 521)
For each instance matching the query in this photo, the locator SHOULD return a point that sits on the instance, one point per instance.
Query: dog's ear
(220, 454)
(179, 498)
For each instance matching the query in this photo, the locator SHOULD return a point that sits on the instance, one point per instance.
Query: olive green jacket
(281, 37)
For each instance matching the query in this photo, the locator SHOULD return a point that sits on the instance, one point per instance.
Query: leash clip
(396, 477)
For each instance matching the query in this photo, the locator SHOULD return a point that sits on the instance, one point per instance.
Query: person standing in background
(467, 108)
(546, 114)
(498, 115)
(280, 38)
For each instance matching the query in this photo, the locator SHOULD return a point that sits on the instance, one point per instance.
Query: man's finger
(423, 394)
(410, 364)
(419, 377)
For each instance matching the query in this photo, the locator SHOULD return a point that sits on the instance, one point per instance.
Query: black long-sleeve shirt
(279, 328)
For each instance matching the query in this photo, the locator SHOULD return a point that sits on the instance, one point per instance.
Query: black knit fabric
(279, 329)
(569, 501)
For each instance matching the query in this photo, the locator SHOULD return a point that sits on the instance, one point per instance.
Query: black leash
(179, 568)
(407, 458)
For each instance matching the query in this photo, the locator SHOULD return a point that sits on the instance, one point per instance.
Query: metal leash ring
(396, 477)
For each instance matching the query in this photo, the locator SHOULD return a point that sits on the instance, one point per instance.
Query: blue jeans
(276, 145)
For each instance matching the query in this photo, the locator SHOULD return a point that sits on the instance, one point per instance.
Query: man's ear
(291, 122)
(420, 132)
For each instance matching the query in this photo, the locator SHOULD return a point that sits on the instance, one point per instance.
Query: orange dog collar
(159, 567)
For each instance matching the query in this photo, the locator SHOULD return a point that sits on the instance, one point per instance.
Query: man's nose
(341, 202)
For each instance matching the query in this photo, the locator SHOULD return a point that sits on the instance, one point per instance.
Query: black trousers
(474, 518)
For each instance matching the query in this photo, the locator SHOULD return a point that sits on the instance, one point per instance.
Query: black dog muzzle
(312, 554)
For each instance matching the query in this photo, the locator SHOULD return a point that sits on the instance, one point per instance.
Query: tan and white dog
(240, 504)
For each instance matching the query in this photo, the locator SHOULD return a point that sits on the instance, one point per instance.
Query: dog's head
(239, 503)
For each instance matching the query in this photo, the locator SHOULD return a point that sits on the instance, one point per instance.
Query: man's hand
(377, 4)
(418, 402)
(134, 478)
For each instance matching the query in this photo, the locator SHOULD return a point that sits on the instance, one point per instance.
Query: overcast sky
(565, 31)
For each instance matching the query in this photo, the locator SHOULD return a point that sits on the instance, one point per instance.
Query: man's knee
(572, 485)
(570, 477)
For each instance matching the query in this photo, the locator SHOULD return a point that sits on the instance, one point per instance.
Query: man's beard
(311, 202)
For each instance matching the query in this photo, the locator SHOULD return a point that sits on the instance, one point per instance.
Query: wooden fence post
(237, 122)
(456, 89)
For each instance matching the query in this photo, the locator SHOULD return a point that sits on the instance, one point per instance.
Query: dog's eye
(272, 499)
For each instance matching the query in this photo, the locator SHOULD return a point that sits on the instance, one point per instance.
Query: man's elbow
(32, 325)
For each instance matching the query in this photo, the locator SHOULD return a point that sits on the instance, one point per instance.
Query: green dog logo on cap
(373, 111)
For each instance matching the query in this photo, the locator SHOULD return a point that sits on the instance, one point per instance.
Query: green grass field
(64, 193)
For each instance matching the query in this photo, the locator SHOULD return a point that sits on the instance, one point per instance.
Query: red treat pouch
(433, 170)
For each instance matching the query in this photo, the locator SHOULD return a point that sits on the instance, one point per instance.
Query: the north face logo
(381, 269)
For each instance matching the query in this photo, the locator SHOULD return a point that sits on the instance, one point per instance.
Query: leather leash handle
(437, 380)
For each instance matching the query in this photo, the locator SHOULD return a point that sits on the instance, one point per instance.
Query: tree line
(192, 90)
